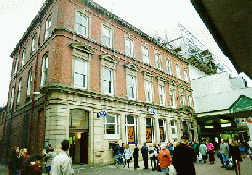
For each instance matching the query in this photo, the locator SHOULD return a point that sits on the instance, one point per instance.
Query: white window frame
(111, 80)
(189, 100)
(152, 129)
(129, 46)
(19, 90)
(29, 83)
(178, 71)
(186, 75)
(109, 32)
(116, 124)
(84, 73)
(182, 99)
(44, 72)
(135, 129)
(16, 66)
(173, 98)
(48, 26)
(164, 126)
(175, 128)
(129, 88)
(148, 91)
(145, 55)
(12, 95)
(161, 95)
(169, 66)
(158, 59)
(33, 46)
(84, 26)
(23, 57)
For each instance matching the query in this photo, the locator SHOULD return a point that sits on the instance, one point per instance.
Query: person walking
(235, 153)
(203, 151)
(135, 155)
(195, 147)
(127, 154)
(36, 169)
(14, 163)
(224, 150)
(117, 151)
(62, 164)
(165, 159)
(144, 152)
(23, 157)
(183, 159)
(210, 150)
(49, 158)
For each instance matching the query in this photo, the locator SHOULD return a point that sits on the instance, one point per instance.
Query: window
(107, 81)
(185, 75)
(168, 66)
(162, 126)
(182, 99)
(44, 70)
(174, 128)
(81, 24)
(145, 54)
(29, 83)
(190, 101)
(172, 98)
(16, 66)
(129, 47)
(149, 130)
(131, 87)
(148, 91)
(161, 95)
(12, 96)
(48, 25)
(111, 126)
(23, 57)
(131, 129)
(158, 59)
(80, 73)
(33, 47)
(178, 71)
(107, 36)
(19, 90)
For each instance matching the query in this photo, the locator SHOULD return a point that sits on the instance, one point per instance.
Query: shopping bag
(230, 165)
(200, 156)
(171, 170)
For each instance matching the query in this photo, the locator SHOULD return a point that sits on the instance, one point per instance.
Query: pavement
(201, 169)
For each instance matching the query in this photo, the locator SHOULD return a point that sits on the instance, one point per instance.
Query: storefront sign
(101, 114)
(131, 138)
(151, 111)
(148, 135)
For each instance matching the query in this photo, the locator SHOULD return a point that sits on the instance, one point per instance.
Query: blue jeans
(225, 159)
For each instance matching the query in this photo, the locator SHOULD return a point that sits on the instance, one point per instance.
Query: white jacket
(62, 165)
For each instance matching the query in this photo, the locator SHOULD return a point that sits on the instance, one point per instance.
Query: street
(201, 169)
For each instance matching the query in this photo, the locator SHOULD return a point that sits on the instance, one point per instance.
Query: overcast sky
(152, 17)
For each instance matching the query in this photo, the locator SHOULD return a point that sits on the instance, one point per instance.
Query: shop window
(174, 128)
(131, 129)
(111, 126)
(150, 130)
(162, 129)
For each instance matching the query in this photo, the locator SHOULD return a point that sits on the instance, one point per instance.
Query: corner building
(84, 74)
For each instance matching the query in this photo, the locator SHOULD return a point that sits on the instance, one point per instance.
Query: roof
(230, 23)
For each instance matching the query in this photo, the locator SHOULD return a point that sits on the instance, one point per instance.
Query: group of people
(22, 164)
(180, 156)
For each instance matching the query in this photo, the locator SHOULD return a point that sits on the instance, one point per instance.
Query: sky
(152, 17)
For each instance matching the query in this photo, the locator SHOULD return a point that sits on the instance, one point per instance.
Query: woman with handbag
(210, 149)
(127, 154)
(165, 159)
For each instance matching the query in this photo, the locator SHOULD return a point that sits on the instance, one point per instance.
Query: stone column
(178, 129)
(141, 129)
(156, 129)
(122, 128)
(168, 129)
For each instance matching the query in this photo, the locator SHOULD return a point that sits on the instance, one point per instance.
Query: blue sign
(151, 111)
(101, 114)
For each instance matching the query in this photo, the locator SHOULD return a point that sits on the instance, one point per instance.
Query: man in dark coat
(183, 158)
(135, 155)
(144, 152)
(116, 151)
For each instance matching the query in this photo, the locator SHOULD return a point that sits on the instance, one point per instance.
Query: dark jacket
(183, 157)
(135, 153)
(14, 164)
(144, 151)
(117, 149)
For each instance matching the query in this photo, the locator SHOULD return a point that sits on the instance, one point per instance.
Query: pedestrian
(49, 146)
(210, 150)
(14, 163)
(117, 151)
(235, 153)
(72, 151)
(49, 158)
(195, 147)
(144, 152)
(244, 148)
(62, 164)
(156, 153)
(135, 155)
(171, 149)
(23, 156)
(224, 150)
(127, 155)
(203, 151)
(165, 159)
(153, 156)
(183, 159)
(36, 169)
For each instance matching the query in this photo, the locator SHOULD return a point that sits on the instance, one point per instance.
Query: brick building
(82, 73)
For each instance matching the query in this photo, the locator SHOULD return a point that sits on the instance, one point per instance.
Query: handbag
(242, 149)
(171, 170)
(130, 157)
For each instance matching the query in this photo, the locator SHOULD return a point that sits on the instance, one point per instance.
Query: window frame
(158, 61)
(152, 126)
(161, 92)
(178, 71)
(173, 98)
(174, 127)
(19, 90)
(48, 25)
(23, 57)
(186, 77)
(135, 126)
(12, 96)
(182, 99)
(164, 129)
(82, 73)
(133, 88)
(84, 15)
(44, 70)
(116, 135)
(111, 33)
(149, 94)
(111, 79)
(33, 45)
(169, 66)
(29, 84)
(189, 100)
(131, 47)
(146, 58)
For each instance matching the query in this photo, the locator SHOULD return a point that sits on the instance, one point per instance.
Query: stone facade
(140, 97)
